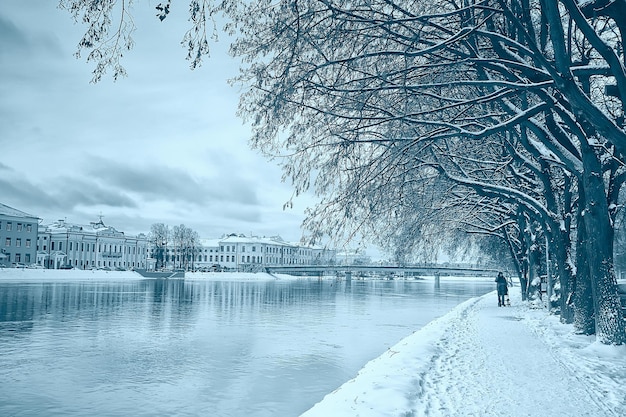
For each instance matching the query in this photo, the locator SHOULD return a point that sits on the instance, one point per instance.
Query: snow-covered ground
(482, 360)
(237, 276)
(60, 275)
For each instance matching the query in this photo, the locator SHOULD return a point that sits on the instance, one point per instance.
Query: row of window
(112, 264)
(268, 249)
(18, 242)
(17, 257)
(245, 259)
(85, 247)
(8, 226)
(228, 248)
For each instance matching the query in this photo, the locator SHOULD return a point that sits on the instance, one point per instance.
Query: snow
(483, 360)
(59, 275)
(237, 276)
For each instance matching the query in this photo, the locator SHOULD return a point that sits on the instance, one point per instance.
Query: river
(224, 348)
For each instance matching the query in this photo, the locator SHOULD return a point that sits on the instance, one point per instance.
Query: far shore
(27, 274)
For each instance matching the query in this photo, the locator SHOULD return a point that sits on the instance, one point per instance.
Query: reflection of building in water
(243, 253)
(65, 245)
(18, 234)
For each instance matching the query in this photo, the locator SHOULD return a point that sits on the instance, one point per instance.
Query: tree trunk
(561, 253)
(533, 281)
(610, 328)
(524, 255)
(582, 298)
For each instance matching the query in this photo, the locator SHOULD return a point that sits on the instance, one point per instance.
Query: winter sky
(162, 145)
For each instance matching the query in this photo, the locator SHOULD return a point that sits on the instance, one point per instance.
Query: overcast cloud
(162, 145)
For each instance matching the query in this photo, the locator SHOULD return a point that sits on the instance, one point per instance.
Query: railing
(430, 269)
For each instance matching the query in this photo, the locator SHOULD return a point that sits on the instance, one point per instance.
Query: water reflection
(222, 348)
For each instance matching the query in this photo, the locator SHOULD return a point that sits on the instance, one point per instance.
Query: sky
(162, 145)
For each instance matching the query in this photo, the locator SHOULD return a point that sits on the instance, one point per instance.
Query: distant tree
(159, 236)
(186, 243)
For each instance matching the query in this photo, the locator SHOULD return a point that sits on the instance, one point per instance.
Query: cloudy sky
(162, 145)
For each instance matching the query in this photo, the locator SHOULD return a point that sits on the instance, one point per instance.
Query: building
(18, 236)
(92, 246)
(353, 257)
(243, 253)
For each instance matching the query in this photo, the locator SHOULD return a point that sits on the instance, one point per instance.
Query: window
(28, 243)
(27, 260)
(227, 258)
(243, 248)
(29, 228)
(19, 227)
(9, 226)
(60, 245)
(18, 257)
(8, 242)
(18, 242)
(254, 249)
(70, 245)
(51, 245)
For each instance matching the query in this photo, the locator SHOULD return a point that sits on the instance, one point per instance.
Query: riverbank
(27, 274)
(20, 274)
(60, 275)
(483, 360)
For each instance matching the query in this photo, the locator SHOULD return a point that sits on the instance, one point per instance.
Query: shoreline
(62, 275)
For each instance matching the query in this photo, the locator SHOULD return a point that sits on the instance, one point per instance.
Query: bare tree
(159, 236)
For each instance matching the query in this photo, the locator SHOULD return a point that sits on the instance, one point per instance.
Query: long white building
(65, 245)
(243, 253)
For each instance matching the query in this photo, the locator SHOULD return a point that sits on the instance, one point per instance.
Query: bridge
(382, 270)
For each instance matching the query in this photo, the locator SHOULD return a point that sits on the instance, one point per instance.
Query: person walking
(502, 289)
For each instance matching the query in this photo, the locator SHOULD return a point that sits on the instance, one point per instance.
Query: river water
(201, 348)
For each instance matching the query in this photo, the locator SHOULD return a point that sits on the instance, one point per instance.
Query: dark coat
(502, 285)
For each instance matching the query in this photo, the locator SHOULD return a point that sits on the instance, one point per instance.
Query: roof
(275, 240)
(94, 229)
(10, 211)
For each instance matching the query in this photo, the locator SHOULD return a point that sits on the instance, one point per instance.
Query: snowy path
(483, 360)
(491, 381)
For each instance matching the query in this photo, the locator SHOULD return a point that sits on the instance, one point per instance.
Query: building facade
(18, 237)
(248, 254)
(92, 246)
